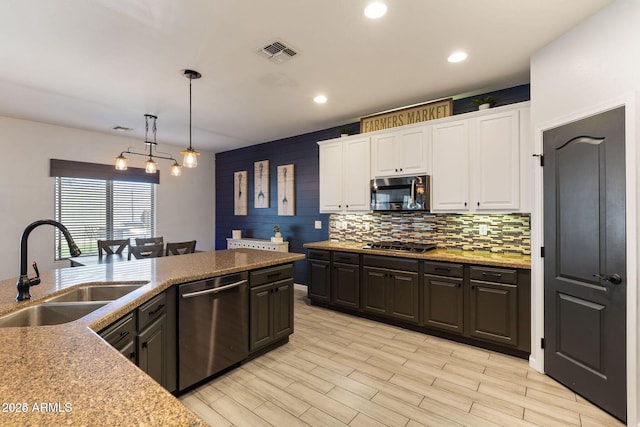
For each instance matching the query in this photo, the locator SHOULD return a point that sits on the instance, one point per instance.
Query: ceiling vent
(277, 51)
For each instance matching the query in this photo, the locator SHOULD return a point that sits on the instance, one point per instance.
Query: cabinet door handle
(160, 307)
(132, 355)
(498, 275)
(124, 334)
(445, 269)
(478, 203)
(465, 203)
(459, 285)
(144, 344)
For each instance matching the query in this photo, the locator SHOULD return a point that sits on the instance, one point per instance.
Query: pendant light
(190, 159)
(150, 166)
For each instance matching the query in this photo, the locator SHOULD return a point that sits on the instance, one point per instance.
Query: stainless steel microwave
(411, 193)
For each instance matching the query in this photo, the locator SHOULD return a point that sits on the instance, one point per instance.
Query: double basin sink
(69, 306)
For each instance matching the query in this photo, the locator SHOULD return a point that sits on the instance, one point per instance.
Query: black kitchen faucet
(24, 282)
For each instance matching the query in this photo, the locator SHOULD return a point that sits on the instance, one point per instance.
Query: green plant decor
(276, 228)
(485, 100)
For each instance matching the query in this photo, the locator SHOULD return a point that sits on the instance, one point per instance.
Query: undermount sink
(53, 313)
(96, 293)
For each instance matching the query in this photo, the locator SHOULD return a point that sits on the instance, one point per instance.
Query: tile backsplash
(509, 233)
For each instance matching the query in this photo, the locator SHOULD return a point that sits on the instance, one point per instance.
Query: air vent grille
(277, 51)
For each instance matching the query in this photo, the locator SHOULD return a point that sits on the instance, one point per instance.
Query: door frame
(632, 160)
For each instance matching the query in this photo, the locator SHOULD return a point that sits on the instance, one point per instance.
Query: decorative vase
(484, 106)
(277, 238)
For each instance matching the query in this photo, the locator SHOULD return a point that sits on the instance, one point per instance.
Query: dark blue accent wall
(302, 151)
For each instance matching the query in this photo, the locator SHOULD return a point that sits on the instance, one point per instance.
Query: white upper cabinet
(345, 174)
(496, 165)
(450, 180)
(400, 152)
(479, 163)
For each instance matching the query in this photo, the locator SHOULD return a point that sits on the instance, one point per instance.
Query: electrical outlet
(343, 225)
(318, 225)
(366, 226)
(483, 229)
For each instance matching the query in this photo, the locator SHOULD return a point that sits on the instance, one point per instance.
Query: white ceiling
(95, 64)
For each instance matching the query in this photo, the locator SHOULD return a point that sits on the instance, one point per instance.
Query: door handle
(614, 278)
(214, 290)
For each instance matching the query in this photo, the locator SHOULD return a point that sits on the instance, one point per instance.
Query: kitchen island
(67, 375)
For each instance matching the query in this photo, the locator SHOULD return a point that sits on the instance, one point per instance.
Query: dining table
(81, 261)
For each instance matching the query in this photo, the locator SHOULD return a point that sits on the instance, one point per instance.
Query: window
(94, 208)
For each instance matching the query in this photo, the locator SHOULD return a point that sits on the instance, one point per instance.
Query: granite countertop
(67, 375)
(448, 255)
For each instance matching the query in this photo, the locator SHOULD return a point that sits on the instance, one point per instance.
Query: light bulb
(375, 10)
(176, 169)
(190, 158)
(121, 163)
(150, 166)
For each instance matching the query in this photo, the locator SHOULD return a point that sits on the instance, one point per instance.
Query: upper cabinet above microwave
(400, 152)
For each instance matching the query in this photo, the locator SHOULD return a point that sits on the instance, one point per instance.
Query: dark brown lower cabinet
(345, 285)
(493, 312)
(486, 306)
(319, 275)
(443, 296)
(443, 303)
(152, 350)
(147, 337)
(392, 293)
(270, 313)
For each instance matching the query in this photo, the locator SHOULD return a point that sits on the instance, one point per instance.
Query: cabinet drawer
(391, 263)
(346, 257)
(121, 332)
(499, 275)
(151, 310)
(443, 269)
(317, 254)
(271, 274)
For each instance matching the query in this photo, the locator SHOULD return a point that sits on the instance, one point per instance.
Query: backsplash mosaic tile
(509, 233)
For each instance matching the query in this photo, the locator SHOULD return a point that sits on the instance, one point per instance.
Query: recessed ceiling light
(375, 10)
(320, 99)
(458, 56)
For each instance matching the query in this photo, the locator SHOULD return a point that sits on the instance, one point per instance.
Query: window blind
(94, 209)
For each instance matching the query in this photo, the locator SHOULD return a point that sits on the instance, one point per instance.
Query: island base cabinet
(443, 303)
(493, 312)
(152, 351)
(147, 337)
(271, 313)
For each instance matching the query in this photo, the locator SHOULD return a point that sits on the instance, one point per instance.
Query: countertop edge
(33, 376)
(444, 255)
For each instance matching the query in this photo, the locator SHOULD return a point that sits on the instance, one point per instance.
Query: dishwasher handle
(214, 290)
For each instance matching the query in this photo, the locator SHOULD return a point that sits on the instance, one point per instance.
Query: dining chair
(141, 241)
(180, 248)
(146, 251)
(107, 246)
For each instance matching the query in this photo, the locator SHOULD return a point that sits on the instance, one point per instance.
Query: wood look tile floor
(340, 370)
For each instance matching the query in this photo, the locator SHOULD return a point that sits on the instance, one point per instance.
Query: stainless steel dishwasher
(213, 326)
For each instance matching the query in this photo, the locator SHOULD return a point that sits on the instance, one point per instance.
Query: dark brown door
(585, 259)
(346, 285)
(319, 287)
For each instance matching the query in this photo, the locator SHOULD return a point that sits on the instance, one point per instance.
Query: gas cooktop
(402, 246)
